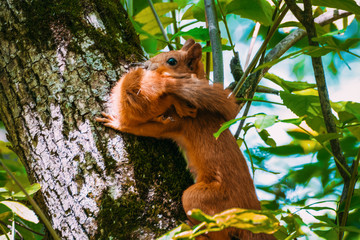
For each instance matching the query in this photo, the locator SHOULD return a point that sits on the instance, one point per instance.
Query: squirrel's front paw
(109, 121)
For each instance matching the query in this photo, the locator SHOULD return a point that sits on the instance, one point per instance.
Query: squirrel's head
(185, 60)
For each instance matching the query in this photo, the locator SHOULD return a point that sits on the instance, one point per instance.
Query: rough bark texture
(58, 61)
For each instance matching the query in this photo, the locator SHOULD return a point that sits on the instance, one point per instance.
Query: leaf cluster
(16, 218)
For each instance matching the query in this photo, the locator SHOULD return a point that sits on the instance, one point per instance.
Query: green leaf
(188, 14)
(223, 47)
(289, 85)
(296, 134)
(284, 150)
(322, 138)
(198, 11)
(305, 105)
(4, 148)
(197, 33)
(263, 121)
(153, 28)
(29, 189)
(349, 5)
(277, 60)
(199, 215)
(253, 220)
(295, 121)
(257, 10)
(226, 125)
(349, 107)
(314, 51)
(330, 234)
(21, 210)
(265, 136)
(350, 42)
(147, 16)
(170, 235)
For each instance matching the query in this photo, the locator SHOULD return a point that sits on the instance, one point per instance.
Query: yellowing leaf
(29, 189)
(252, 220)
(146, 15)
(22, 211)
(307, 92)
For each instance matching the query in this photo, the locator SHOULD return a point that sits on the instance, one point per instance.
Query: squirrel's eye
(172, 61)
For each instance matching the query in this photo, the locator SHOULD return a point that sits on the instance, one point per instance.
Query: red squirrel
(172, 99)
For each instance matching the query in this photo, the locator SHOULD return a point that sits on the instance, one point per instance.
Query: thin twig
(353, 179)
(241, 125)
(223, 17)
(260, 51)
(214, 32)
(177, 39)
(252, 43)
(160, 24)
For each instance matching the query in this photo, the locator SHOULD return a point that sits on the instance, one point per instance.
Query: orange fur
(163, 103)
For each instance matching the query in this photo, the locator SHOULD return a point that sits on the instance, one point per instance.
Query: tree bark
(58, 62)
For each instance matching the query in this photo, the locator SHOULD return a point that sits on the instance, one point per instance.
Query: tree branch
(218, 64)
(309, 24)
(285, 45)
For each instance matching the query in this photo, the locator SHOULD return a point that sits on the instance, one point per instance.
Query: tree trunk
(58, 62)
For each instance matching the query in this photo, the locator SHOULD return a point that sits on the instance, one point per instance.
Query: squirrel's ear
(188, 44)
(195, 52)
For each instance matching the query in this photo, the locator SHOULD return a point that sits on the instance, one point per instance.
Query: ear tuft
(195, 52)
(188, 44)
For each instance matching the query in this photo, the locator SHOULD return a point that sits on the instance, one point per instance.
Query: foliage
(306, 188)
(307, 129)
(16, 219)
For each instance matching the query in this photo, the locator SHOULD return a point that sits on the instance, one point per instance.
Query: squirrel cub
(172, 99)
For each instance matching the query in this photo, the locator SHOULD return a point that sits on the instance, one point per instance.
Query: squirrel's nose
(148, 65)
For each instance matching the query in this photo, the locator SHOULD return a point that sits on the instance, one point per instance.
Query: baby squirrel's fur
(176, 102)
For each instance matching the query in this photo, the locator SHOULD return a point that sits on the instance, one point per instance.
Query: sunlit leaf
(199, 215)
(170, 235)
(253, 220)
(21, 210)
(29, 189)
(153, 28)
(263, 121)
(146, 15)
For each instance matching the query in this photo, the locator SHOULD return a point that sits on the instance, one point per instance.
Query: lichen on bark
(55, 77)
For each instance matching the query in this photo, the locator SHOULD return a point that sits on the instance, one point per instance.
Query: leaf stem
(160, 24)
(223, 17)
